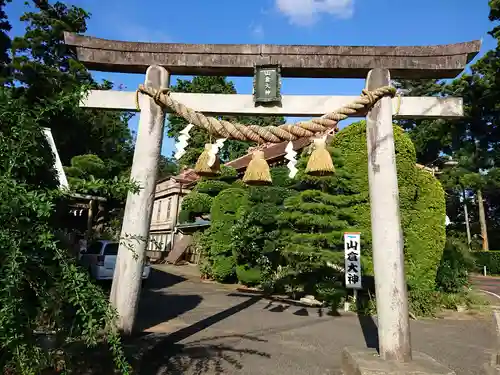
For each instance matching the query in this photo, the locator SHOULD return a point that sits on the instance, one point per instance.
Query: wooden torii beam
(440, 61)
(291, 105)
(375, 63)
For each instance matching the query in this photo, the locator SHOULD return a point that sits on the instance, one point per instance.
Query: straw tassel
(206, 165)
(320, 162)
(257, 172)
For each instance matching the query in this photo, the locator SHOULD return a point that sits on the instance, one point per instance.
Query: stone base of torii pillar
(357, 361)
(395, 355)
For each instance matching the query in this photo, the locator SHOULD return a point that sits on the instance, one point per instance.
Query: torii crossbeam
(376, 64)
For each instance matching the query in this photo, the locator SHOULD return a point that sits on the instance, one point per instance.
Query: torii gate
(376, 64)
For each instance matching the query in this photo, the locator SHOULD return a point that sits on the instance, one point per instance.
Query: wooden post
(138, 210)
(387, 235)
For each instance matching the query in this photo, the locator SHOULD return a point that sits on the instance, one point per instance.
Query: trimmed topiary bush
(248, 276)
(211, 187)
(223, 268)
(199, 201)
(312, 224)
(223, 217)
(425, 231)
(194, 204)
(228, 173)
(255, 237)
(421, 197)
(280, 177)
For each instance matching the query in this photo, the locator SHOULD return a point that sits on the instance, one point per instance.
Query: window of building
(169, 206)
(158, 212)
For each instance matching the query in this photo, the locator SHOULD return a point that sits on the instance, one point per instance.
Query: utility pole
(482, 220)
(466, 214)
(480, 201)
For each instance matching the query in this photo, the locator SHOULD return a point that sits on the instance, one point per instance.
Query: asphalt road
(488, 284)
(195, 328)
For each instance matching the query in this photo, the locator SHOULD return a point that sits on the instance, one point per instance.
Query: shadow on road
(370, 331)
(158, 355)
(155, 305)
(165, 354)
(160, 279)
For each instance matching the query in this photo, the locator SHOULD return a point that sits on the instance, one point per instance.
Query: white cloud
(257, 30)
(306, 12)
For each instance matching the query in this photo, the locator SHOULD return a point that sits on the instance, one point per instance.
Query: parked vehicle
(100, 260)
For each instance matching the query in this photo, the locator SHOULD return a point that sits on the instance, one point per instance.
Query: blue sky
(315, 22)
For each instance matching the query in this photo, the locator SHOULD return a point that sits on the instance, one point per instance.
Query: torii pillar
(417, 62)
(134, 234)
(395, 355)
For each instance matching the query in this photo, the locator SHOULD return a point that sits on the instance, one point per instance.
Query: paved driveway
(202, 328)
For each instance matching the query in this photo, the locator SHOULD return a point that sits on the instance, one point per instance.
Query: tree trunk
(482, 220)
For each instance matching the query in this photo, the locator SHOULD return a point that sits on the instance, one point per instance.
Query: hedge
(211, 187)
(425, 231)
(421, 197)
(199, 201)
(490, 259)
(194, 204)
(223, 216)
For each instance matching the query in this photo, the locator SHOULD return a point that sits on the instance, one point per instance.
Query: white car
(100, 260)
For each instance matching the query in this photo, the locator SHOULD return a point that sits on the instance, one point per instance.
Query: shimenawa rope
(267, 134)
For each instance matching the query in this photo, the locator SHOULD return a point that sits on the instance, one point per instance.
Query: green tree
(5, 43)
(430, 137)
(211, 85)
(43, 293)
(45, 69)
(220, 259)
(421, 201)
(476, 138)
(313, 222)
(256, 236)
(167, 167)
(85, 166)
(473, 141)
(495, 16)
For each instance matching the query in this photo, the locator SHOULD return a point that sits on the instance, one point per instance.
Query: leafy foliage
(84, 167)
(167, 167)
(43, 293)
(421, 198)
(198, 202)
(490, 259)
(456, 261)
(195, 204)
(314, 220)
(255, 235)
(45, 70)
(220, 259)
(473, 141)
(311, 225)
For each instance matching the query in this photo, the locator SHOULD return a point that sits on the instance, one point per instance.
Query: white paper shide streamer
(182, 143)
(215, 149)
(292, 162)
